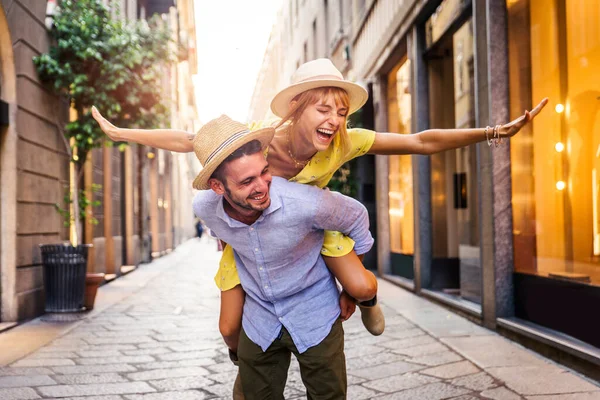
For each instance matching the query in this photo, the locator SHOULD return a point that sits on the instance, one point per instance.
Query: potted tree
(117, 66)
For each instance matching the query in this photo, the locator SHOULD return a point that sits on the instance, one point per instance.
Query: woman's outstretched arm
(435, 140)
(167, 139)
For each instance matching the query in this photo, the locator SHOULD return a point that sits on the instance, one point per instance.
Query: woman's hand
(347, 306)
(511, 129)
(108, 128)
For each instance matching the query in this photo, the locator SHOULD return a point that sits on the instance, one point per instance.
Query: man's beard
(245, 206)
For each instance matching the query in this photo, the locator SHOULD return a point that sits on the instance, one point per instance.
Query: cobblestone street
(162, 342)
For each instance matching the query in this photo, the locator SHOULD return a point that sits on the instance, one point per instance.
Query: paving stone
(42, 362)
(18, 394)
(11, 371)
(401, 382)
(222, 390)
(115, 360)
(406, 333)
(500, 393)
(363, 351)
(357, 392)
(155, 344)
(534, 380)
(120, 340)
(408, 342)
(109, 397)
(493, 351)
(198, 346)
(465, 397)
(432, 391)
(94, 369)
(358, 363)
(224, 377)
(452, 370)
(183, 383)
(99, 353)
(384, 370)
(77, 379)
(187, 355)
(421, 350)
(124, 333)
(147, 352)
(167, 373)
(187, 395)
(201, 362)
(23, 381)
(58, 354)
(95, 389)
(140, 325)
(573, 396)
(224, 367)
(478, 382)
(436, 359)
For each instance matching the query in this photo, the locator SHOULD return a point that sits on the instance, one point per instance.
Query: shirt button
(256, 249)
(266, 286)
(251, 229)
(260, 268)
(281, 318)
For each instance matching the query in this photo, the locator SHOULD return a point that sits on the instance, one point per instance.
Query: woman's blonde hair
(309, 97)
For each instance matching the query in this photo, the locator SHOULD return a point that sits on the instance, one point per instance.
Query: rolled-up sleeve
(336, 212)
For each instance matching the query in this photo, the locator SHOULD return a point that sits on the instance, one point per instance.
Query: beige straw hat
(220, 137)
(317, 74)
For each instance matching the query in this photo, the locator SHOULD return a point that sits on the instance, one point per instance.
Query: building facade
(138, 183)
(508, 235)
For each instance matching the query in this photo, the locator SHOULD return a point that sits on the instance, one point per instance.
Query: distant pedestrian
(199, 228)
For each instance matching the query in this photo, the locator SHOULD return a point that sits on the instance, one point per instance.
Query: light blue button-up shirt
(279, 262)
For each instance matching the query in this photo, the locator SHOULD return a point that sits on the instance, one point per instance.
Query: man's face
(247, 182)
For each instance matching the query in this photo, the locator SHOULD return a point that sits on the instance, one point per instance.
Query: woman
(311, 143)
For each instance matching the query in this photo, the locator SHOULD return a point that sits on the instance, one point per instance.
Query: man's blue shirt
(279, 262)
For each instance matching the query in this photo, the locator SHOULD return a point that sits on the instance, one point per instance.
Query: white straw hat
(317, 74)
(220, 137)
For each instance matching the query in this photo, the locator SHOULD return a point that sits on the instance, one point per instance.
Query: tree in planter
(116, 66)
(101, 61)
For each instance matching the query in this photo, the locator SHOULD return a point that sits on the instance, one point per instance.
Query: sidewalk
(154, 335)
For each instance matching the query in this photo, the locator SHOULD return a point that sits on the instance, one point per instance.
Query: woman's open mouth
(325, 135)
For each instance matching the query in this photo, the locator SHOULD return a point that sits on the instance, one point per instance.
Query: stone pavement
(161, 341)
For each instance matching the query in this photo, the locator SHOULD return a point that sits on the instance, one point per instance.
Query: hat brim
(280, 105)
(264, 136)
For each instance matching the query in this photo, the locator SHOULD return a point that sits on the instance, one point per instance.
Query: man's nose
(263, 183)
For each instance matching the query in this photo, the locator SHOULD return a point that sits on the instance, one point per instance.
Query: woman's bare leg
(230, 325)
(349, 270)
(361, 284)
(230, 320)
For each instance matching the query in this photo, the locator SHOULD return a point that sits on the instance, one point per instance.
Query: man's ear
(216, 185)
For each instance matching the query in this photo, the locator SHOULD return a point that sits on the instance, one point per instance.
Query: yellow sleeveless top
(317, 172)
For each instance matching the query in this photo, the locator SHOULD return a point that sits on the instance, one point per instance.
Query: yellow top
(318, 172)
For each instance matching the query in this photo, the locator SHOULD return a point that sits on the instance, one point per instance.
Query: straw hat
(220, 137)
(317, 74)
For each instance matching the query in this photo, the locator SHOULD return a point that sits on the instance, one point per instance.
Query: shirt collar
(233, 223)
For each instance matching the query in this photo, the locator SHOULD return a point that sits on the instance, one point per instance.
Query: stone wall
(42, 158)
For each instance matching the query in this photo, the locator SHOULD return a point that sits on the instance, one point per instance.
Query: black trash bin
(65, 268)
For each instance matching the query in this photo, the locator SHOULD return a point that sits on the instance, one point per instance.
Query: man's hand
(347, 306)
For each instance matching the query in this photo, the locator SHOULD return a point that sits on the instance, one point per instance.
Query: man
(276, 229)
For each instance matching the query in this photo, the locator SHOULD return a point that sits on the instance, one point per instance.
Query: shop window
(400, 167)
(554, 51)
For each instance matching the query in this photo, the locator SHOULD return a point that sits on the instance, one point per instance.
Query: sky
(232, 36)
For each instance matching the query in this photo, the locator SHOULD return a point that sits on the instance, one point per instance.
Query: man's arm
(336, 212)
